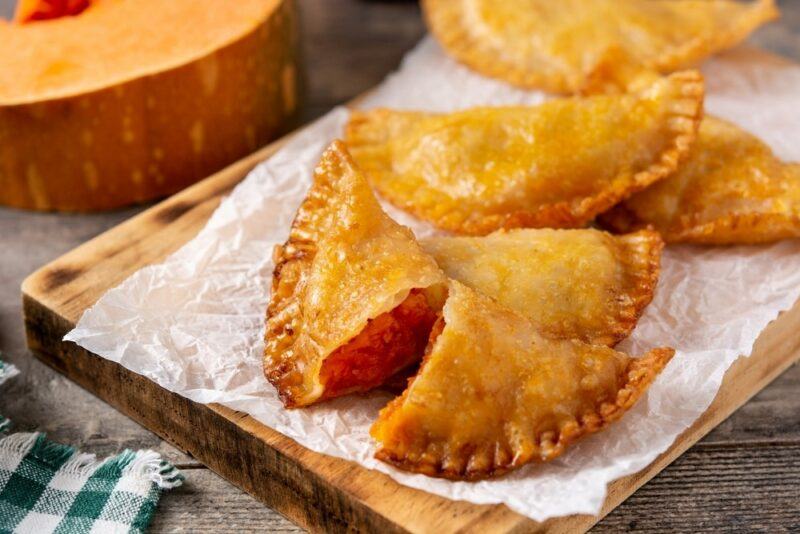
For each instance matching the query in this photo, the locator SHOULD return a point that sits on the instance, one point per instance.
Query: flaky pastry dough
(731, 190)
(492, 394)
(584, 46)
(353, 294)
(572, 284)
(558, 164)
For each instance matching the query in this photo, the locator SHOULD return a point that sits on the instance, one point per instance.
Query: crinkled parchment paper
(194, 323)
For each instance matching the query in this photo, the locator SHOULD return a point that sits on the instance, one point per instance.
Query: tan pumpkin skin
(152, 135)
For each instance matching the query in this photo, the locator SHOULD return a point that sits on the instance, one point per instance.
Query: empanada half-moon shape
(492, 394)
(572, 284)
(353, 294)
(580, 46)
(558, 164)
(731, 190)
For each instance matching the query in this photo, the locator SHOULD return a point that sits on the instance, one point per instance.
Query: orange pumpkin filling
(401, 383)
(33, 10)
(389, 343)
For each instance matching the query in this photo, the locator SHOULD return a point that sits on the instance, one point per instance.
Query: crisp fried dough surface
(492, 394)
(731, 190)
(573, 284)
(346, 263)
(580, 46)
(558, 164)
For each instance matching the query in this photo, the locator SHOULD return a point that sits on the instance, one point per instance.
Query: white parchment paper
(194, 323)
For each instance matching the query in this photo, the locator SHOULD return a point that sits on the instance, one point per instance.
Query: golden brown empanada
(347, 308)
(732, 189)
(572, 284)
(572, 46)
(558, 164)
(492, 394)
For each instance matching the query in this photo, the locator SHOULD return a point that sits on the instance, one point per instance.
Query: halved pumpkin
(134, 99)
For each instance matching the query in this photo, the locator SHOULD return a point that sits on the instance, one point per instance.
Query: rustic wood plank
(711, 489)
(704, 490)
(208, 503)
(773, 416)
(351, 45)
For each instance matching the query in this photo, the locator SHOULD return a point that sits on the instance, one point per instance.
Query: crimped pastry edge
(639, 374)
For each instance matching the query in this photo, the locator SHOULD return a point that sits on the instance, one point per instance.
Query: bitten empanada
(732, 189)
(492, 394)
(582, 46)
(572, 284)
(353, 294)
(558, 164)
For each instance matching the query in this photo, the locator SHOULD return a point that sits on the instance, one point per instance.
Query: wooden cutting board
(318, 492)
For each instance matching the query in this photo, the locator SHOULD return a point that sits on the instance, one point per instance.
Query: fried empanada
(558, 164)
(492, 394)
(353, 294)
(581, 46)
(732, 189)
(572, 284)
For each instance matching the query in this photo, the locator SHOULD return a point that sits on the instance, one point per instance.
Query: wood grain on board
(316, 491)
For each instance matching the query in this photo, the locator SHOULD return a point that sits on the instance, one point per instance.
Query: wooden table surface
(744, 476)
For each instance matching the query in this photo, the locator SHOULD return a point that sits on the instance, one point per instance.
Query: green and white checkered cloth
(46, 487)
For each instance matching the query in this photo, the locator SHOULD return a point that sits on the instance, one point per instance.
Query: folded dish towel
(46, 487)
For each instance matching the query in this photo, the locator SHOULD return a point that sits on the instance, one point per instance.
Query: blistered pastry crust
(731, 190)
(450, 171)
(596, 57)
(572, 284)
(479, 407)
